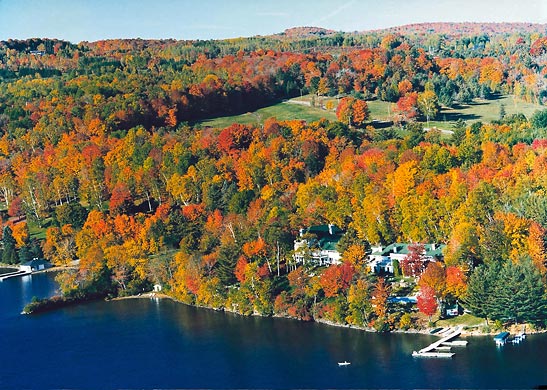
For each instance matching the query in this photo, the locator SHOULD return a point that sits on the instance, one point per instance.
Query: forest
(102, 161)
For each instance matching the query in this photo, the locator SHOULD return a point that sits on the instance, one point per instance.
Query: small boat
(344, 363)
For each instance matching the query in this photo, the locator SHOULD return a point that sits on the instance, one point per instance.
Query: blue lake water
(147, 343)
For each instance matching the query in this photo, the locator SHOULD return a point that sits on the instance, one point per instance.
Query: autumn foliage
(101, 160)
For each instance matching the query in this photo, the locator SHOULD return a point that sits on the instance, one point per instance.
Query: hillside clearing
(311, 108)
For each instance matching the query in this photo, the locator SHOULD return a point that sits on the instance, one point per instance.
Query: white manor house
(318, 245)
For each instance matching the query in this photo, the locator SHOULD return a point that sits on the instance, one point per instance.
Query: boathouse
(501, 338)
(35, 265)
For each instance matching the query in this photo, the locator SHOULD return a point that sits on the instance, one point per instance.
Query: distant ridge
(466, 28)
(306, 31)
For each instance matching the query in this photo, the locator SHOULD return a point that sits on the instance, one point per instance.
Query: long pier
(441, 348)
(14, 274)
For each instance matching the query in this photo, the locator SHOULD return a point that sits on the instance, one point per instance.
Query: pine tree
(502, 111)
(519, 293)
(480, 291)
(9, 255)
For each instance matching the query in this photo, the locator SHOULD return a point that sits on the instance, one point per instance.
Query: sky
(91, 20)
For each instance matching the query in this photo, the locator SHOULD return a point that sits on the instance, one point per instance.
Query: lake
(147, 343)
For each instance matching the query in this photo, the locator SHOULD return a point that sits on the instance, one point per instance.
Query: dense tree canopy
(101, 159)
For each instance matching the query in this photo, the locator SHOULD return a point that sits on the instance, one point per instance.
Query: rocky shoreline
(467, 332)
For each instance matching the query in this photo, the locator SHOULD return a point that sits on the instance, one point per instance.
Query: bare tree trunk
(277, 256)
(148, 199)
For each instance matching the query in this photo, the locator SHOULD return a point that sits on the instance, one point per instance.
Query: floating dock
(441, 348)
(456, 343)
(433, 354)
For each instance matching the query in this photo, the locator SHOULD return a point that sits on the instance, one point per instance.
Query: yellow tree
(21, 234)
(428, 104)
(60, 246)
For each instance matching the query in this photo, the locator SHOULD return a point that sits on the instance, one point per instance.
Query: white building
(318, 245)
(35, 265)
(381, 258)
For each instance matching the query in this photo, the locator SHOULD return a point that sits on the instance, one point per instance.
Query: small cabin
(157, 287)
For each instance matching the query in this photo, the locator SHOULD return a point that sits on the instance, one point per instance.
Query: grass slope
(281, 111)
(480, 110)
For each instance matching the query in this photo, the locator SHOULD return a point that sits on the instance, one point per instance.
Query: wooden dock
(433, 354)
(441, 348)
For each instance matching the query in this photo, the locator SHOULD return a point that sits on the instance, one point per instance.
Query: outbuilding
(35, 265)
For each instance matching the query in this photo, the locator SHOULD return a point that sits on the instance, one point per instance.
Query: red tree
(427, 303)
(16, 207)
(380, 297)
(407, 107)
(413, 263)
(120, 199)
(240, 269)
(336, 279)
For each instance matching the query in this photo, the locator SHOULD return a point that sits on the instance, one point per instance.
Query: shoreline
(465, 333)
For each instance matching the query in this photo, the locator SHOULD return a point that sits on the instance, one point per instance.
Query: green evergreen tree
(539, 119)
(9, 255)
(480, 291)
(71, 213)
(416, 133)
(225, 266)
(519, 293)
(502, 112)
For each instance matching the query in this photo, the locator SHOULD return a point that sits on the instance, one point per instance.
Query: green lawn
(480, 110)
(484, 111)
(37, 232)
(465, 320)
(281, 111)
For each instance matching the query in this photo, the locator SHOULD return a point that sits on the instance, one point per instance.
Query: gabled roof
(329, 243)
(35, 263)
(434, 250)
(324, 229)
(431, 250)
(326, 236)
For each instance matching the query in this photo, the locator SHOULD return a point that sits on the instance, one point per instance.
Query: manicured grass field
(485, 111)
(282, 111)
(465, 319)
(480, 110)
(37, 232)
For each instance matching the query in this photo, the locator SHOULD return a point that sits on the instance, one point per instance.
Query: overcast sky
(90, 20)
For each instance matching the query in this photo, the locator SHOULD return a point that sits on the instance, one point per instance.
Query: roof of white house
(431, 250)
